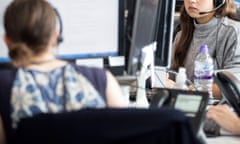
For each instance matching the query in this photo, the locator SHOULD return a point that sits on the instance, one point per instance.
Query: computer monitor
(90, 28)
(153, 21)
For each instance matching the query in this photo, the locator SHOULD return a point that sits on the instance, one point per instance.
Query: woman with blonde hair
(40, 82)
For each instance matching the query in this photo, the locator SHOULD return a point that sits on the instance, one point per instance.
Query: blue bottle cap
(204, 48)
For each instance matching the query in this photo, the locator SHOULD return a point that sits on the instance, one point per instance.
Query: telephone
(192, 103)
(229, 83)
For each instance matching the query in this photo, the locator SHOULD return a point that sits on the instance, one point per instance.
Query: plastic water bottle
(181, 79)
(203, 71)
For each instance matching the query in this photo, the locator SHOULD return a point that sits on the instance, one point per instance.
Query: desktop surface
(226, 139)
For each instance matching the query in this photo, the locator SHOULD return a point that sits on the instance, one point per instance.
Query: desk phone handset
(229, 84)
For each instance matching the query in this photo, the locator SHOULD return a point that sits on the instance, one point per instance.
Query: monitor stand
(141, 97)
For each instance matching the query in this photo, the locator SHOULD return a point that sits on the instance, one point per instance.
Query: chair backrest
(107, 126)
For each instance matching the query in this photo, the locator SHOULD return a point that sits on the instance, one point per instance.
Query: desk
(225, 138)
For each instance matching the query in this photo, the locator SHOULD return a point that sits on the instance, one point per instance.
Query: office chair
(107, 126)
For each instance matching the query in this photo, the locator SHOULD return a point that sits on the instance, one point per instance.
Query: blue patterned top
(63, 89)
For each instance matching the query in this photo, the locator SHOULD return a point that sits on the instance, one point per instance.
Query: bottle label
(203, 71)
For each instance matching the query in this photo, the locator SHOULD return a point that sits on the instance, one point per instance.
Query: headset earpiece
(217, 5)
(217, 2)
(60, 37)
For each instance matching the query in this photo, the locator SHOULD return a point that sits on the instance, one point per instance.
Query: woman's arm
(2, 133)
(216, 92)
(113, 92)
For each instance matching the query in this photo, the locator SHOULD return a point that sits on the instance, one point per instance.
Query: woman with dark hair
(41, 83)
(210, 22)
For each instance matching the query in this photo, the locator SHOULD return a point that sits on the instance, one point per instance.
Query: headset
(217, 5)
(60, 36)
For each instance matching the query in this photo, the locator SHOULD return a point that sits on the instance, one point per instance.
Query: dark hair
(187, 29)
(29, 24)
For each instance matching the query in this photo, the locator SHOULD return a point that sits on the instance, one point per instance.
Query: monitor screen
(188, 103)
(153, 21)
(90, 28)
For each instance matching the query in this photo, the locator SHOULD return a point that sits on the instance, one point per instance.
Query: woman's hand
(169, 83)
(225, 117)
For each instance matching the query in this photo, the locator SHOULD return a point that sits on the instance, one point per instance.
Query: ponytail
(20, 54)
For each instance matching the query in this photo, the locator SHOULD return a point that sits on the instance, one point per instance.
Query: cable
(159, 79)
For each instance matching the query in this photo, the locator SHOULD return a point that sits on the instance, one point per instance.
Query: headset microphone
(216, 8)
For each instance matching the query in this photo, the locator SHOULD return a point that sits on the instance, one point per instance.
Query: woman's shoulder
(88, 70)
(7, 75)
(230, 23)
(97, 76)
(94, 74)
